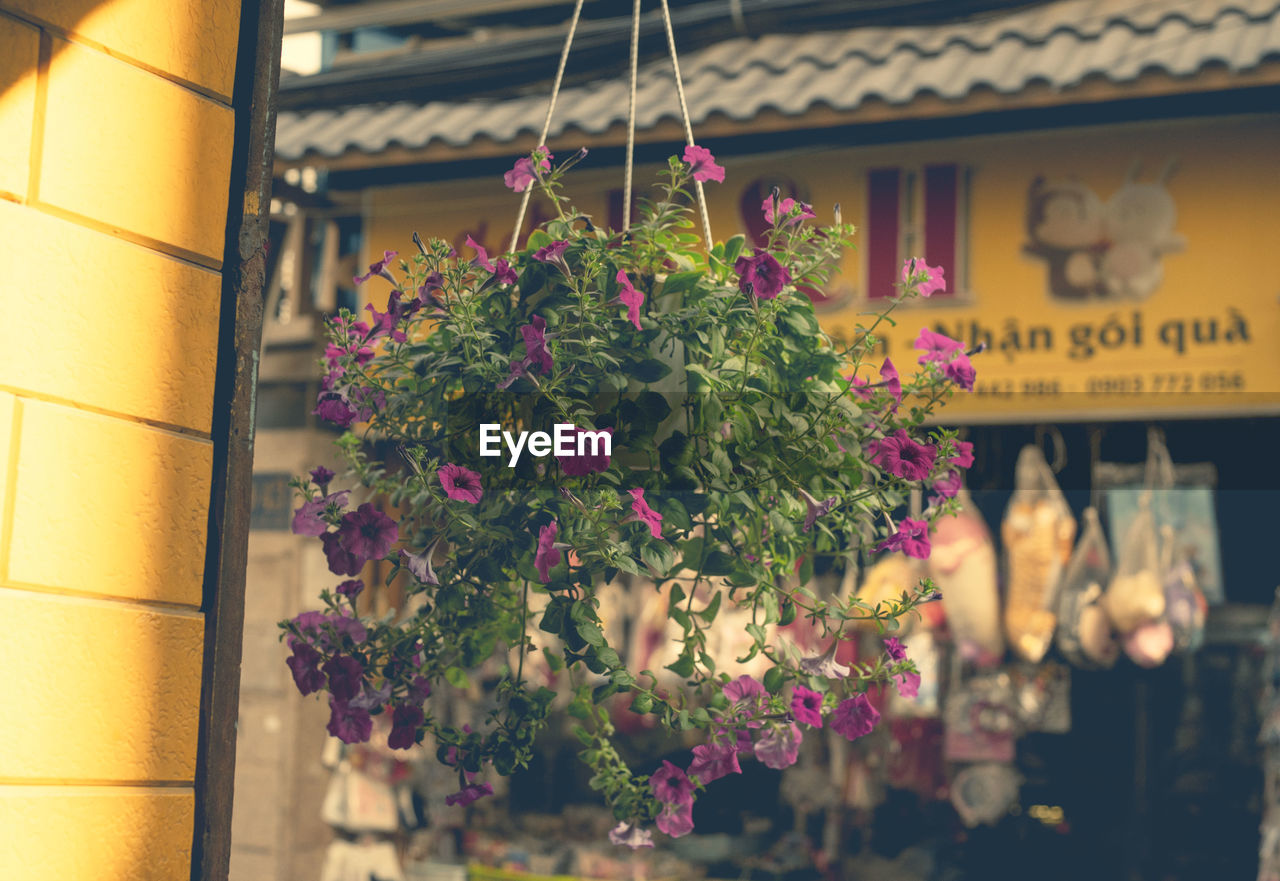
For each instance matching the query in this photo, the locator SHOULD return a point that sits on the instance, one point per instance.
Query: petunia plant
(709, 439)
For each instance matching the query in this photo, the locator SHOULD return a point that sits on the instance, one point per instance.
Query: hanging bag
(963, 566)
(1038, 531)
(1135, 596)
(1185, 606)
(1084, 630)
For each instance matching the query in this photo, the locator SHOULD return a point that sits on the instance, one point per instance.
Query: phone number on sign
(1158, 382)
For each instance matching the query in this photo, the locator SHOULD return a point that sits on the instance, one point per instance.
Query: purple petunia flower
(711, 761)
(702, 165)
(745, 691)
(936, 346)
(341, 560)
(378, 268)
(631, 298)
(503, 272)
(964, 454)
(891, 381)
(855, 717)
(304, 664)
(933, 280)
(334, 408)
(321, 476)
(482, 256)
(589, 463)
(307, 520)
(405, 719)
(825, 664)
(908, 683)
(761, 276)
(806, 706)
(523, 173)
(815, 509)
(779, 747)
(419, 565)
(671, 786)
(642, 513)
(367, 532)
(472, 792)
(345, 675)
(900, 455)
(960, 371)
(912, 538)
(554, 254)
(351, 588)
(676, 820)
(946, 486)
(548, 555)
(895, 649)
(535, 344)
(630, 835)
(460, 484)
(786, 207)
(347, 723)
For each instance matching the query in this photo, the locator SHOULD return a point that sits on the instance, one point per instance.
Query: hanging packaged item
(1182, 498)
(962, 565)
(1084, 630)
(1135, 596)
(1038, 531)
(984, 793)
(1185, 606)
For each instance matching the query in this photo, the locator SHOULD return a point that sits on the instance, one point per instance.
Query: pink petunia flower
(523, 174)
(589, 463)
(631, 298)
(745, 691)
(947, 486)
(711, 761)
(806, 706)
(761, 276)
(671, 785)
(936, 346)
(548, 555)
(892, 382)
(787, 207)
(642, 513)
(907, 682)
(554, 254)
(900, 455)
(676, 820)
(855, 717)
(960, 371)
(482, 256)
(503, 272)
(779, 747)
(815, 509)
(307, 520)
(912, 538)
(535, 344)
(378, 268)
(460, 484)
(895, 649)
(964, 454)
(468, 794)
(933, 280)
(702, 165)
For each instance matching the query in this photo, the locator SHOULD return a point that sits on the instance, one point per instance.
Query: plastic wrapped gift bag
(1084, 630)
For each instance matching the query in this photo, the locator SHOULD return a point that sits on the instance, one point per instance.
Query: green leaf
(457, 677)
(643, 703)
(648, 370)
(773, 680)
(733, 248)
(718, 563)
(591, 633)
(659, 557)
(683, 666)
(709, 613)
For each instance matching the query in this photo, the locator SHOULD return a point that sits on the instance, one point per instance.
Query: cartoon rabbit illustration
(1065, 223)
(1139, 226)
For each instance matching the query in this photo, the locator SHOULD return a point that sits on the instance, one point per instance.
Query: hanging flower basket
(776, 450)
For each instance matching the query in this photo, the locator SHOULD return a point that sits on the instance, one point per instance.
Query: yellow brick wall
(115, 153)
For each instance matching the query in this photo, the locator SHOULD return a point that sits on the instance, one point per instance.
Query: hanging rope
(546, 123)
(684, 114)
(631, 117)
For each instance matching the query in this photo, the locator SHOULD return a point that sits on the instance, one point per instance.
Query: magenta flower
(900, 455)
(676, 820)
(335, 408)
(631, 298)
(503, 272)
(405, 719)
(307, 520)
(535, 344)
(523, 173)
(419, 565)
(745, 691)
(912, 538)
(345, 675)
(368, 533)
(711, 761)
(548, 555)
(470, 793)
(786, 208)
(630, 835)
(779, 747)
(702, 165)
(933, 280)
(855, 717)
(378, 268)
(589, 463)
(482, 256)
(554, 254)
(460, 484)
(891, 381)
(860, 387)
(351, 588)
(960, 371)
(806, 706)
(907, 682)
(304, 664)
(895, 649)
(936, 346)
(341, 560)
(347, 723)
(947, 485)
(964, 454)
(671, 786)
(642, 513)
(815, 509)
(761, 276)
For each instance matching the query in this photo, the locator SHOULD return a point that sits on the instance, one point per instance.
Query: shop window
(915, 212)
